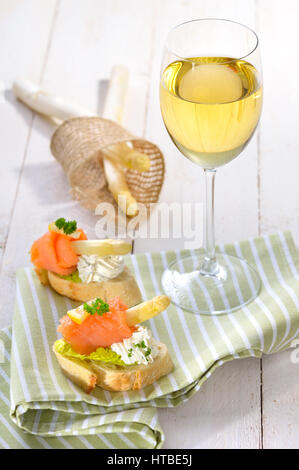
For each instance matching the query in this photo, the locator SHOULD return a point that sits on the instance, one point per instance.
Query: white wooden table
(69, 46)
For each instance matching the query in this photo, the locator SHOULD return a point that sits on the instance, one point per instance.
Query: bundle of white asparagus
(116, 159)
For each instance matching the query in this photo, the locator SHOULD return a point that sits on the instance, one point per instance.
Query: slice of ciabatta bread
(123, 286)
(118, 379)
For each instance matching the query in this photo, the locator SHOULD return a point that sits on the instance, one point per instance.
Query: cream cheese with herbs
(93, 268)
(140, 348)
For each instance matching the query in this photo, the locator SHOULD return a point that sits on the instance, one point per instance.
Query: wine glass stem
(209, 266)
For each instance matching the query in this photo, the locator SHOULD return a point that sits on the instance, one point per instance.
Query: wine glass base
(233, 284)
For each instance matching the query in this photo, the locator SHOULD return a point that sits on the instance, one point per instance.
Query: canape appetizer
(83, 269)
(103, 344)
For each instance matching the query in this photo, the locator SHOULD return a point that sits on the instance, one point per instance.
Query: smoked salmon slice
(53, 251)
(97, 330)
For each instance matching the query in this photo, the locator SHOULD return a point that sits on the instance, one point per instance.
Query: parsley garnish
(98, 306)
(140, 345)
(143, 346)
(147, 352)
(130, 352)
(67, 226)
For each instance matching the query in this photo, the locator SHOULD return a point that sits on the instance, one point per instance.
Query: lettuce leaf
(101, 354)
(71, 277)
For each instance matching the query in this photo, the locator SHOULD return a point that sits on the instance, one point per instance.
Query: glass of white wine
(211, 100)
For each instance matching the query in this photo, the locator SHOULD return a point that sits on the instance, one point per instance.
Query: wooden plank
(221, 415)
(217, 416)
(279, 198)
(279, 136)
(24, 33)
(280, 402)
(2, 248)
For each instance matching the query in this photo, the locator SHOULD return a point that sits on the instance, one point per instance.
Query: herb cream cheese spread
(140, 348)
(93, 268)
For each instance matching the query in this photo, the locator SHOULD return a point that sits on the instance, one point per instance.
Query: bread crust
(42, 274)
(115, 379)
(123, 286)
(78, 372)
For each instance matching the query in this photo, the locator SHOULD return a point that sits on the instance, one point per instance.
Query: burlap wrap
(77, 145)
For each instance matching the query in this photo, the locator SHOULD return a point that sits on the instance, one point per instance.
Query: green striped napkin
(44, 403)
(120, 430)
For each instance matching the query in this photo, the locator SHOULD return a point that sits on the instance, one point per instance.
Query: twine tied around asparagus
(78, 143)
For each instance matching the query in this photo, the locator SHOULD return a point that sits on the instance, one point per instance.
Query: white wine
(210, 107)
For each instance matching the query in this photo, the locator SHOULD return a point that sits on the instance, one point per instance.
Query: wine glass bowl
(211, 100)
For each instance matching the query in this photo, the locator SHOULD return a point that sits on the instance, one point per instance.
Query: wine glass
(211, 100)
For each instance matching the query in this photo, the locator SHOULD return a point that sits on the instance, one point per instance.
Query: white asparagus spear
(51, 105)
(113, 110)
(116, 94)
(134, 315)
(118, 187)
(147, 309)
(46, 103)
(124, 155)
(101, 247)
